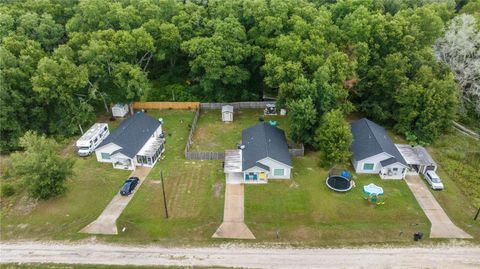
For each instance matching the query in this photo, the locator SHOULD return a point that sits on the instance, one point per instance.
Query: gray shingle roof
(370, 139)
(263, 140)
(132, 134)
(388, 161)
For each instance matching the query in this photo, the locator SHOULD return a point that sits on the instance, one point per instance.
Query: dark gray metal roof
(370, 139)
(132, 134)
(263, 140)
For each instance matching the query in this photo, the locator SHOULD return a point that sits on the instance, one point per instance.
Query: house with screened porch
(137, 141)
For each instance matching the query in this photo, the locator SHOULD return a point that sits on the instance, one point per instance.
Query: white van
(434, 180)
(92, 138)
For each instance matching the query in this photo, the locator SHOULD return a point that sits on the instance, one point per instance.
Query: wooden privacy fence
(297, 151)
(199, 155)
(165, 105)
(204, 155)
(236, 105)
(210, 155)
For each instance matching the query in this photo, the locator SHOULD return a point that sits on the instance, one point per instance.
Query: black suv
(129, 186)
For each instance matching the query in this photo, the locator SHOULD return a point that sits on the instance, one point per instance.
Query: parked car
(129, 186)
(434, 180)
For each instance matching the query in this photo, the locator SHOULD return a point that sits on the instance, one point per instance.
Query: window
(395, 169)
(278, 172)
(368, 166)
(105, 156)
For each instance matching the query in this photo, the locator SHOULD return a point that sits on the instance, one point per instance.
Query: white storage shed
(227, 113)
(120, 110)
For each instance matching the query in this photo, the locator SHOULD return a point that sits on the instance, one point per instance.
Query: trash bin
(417, 236)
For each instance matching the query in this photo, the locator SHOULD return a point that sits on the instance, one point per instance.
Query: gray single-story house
(263, 155)
(374, 152)
(137, 141)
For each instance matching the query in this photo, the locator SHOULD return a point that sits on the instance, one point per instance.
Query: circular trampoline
(339, 180)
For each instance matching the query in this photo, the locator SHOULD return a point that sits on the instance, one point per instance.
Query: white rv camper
(92, 138)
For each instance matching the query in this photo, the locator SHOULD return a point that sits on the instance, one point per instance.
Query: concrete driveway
(106, 223)
(442, 226)
(233, 225)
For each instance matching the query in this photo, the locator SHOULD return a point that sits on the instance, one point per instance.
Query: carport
(417, 158)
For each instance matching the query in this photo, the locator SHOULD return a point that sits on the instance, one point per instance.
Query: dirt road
(236, 256)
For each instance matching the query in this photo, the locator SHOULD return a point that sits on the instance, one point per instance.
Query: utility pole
(164, 197)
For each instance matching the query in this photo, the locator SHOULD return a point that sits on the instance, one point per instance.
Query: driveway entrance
(442, 226)
(106, 223)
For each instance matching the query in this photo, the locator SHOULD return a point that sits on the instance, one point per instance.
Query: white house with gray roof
(263, 155)
(374, 152)
(137, 141)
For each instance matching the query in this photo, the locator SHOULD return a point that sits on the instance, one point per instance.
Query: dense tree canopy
(63, 60)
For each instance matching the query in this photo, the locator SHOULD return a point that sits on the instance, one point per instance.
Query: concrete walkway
(233, 225)
(106, 223)
(442, 226)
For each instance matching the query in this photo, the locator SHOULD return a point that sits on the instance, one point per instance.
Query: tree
(217, 62)
(333, 138)
(40, 166)
(302, 118)
(459, 48)
(427, 106)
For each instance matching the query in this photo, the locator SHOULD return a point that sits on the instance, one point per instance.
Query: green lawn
(458, 159)
(212, 134)
(305, 211)
(194, 190)
(89, 191)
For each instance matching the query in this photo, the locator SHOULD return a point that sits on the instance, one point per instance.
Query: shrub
(7, 190)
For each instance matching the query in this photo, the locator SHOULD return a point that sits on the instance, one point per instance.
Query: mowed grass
(89, 191)
(212, 134)
(301, 211)
(458, 159)
(194, 191)
(305, 212)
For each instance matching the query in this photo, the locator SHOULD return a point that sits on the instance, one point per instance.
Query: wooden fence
(297, 151)
(211, 155)
(189, 155)
(166, 105)
(236, 105)
(193, 155)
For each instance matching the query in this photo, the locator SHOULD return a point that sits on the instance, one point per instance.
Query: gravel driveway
(106, 223)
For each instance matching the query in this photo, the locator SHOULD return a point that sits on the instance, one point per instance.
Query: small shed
(227, 113)
(119, 110)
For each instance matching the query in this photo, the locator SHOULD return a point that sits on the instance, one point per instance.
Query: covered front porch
(121, 161)
(253, 177)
